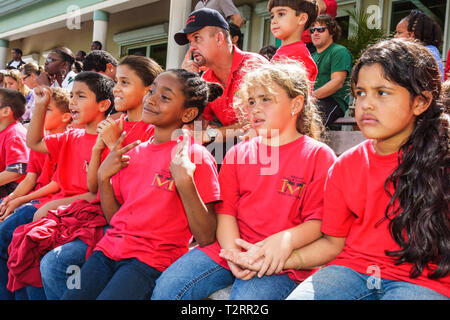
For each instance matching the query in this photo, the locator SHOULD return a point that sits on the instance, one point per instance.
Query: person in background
(268, 51)
(29, 73)
(58, 69)
(325, 7)
(102, 62)
(334, 63)
(96, 45)
(237, 38)
(419, 26)
(226, 8)
(16, 62)
(13, 80)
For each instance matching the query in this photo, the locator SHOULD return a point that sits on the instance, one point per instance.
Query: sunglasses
(52, 60)
(318, 29)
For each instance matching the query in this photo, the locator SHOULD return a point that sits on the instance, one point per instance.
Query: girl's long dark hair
(419, 207)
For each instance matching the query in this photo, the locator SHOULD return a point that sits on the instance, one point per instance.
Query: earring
(292, 113)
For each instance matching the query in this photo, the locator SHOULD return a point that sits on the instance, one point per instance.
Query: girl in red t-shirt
(156, 197)
(272, 193)
(134, 74)
(386, 218)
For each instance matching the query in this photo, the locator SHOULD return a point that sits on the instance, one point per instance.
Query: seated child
(272, 193)
(14, 152)
(156, 197)
(37, 183)
(289, 20)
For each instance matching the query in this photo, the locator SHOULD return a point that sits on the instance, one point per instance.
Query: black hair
(419, 207)
(268, 51)
(18, 51)
(101, 85)
(13, 99)
(146, 68)
(196, 90)
(236, 31)
(98, 43)
(66, 54)
(332, 25)
(425, 29)
(310, 7)
(97, 60)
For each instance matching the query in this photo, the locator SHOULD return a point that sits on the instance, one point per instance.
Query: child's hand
(42, 96)
(99, 144)
(242, 259)
(110, 131)
(275, 249)
(237, 270)
(181, 166)
(9, 207)
(116, 159)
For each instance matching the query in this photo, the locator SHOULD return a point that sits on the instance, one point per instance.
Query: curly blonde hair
(290, 75)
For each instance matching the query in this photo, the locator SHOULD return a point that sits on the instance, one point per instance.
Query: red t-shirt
(151, 225)
(13, 146)
(137, 130)
(447, 66)
(222, 107)
(298, 51)
(331, 10)
(355, 201)
(71, 151)
(267, 190)
(42, 166)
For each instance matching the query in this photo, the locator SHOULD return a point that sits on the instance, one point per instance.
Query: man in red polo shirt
(211, 49)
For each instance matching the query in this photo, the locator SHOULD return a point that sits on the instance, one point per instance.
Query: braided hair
(196, 90)
(419, 224)
(425, 29)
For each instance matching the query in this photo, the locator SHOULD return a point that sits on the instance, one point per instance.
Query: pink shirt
(151, 225)
(266, 204)
(355, 203)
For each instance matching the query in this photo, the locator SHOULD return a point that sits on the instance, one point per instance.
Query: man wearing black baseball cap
(208, 34)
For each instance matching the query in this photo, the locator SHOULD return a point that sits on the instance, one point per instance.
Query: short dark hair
(98, 43)
(18, 51)
(332, 25)
(97, 60)
(13, 99)
(101, 85)
(309, 7)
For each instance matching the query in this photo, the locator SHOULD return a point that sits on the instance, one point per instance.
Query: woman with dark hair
(385, 226)
(417, 25)
(58, 69)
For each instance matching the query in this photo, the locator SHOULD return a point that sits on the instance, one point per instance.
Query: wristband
(300, 259)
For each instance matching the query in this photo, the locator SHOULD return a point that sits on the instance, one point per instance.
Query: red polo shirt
(222, 107)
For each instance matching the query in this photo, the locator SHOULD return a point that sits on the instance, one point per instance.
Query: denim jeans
(60, 268)
(342, 283)
(102, 278)
(22, 215)
(195, 276)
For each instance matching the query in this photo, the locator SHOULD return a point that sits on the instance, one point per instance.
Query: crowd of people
(121, 180)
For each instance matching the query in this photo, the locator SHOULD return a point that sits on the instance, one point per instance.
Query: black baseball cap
(199, 19)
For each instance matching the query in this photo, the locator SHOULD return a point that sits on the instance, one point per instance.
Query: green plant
(361, 35)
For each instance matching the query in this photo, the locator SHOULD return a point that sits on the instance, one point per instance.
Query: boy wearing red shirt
(40, 169)
(13, 152)
(289, 20)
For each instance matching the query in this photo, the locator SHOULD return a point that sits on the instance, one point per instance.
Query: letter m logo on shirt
(162, 182)
(292, 189)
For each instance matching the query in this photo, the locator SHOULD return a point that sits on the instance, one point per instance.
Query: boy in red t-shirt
(90, 101)
(289, 20)
(13, 152)
(40, 169)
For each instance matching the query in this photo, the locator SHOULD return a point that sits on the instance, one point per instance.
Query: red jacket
(81, 219)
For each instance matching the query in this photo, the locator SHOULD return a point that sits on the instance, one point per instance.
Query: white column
(4, 50)
(100, 32)
(179, 11)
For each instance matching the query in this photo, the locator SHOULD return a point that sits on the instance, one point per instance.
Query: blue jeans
(22, 215)
(195, 276)
(60, 268)
(342, 283)
(102, 278)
